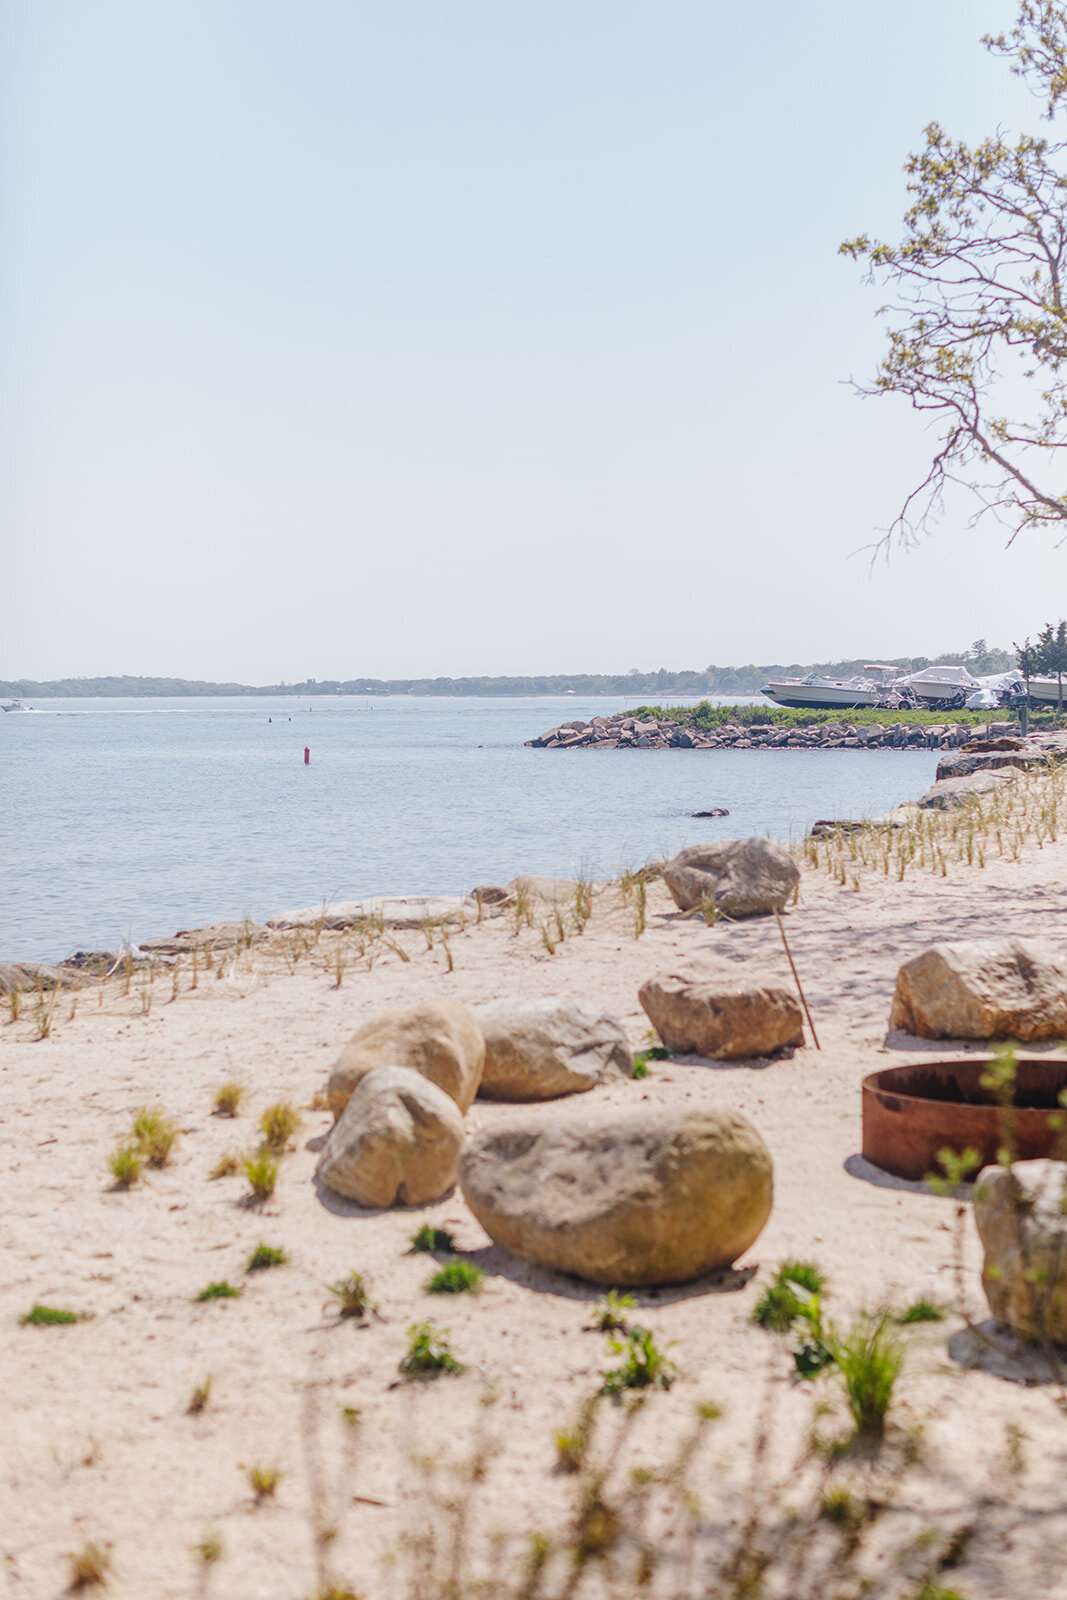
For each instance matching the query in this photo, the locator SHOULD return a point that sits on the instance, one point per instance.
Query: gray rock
(983, 989)
(396, 1143)
(721, 1016)
(741, 877)
(540, 1049)
(628, 1198)
(438, 1039)
(1021, 1216)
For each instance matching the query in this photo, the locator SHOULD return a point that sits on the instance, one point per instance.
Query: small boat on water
(17, 705)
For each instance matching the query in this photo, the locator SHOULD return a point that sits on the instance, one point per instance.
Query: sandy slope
(95, 1441)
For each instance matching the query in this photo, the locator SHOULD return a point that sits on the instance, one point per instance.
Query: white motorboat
(819, 692)
(17, 705)
(1046, 691)
(938, 683)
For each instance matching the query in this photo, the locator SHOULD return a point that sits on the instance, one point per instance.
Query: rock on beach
(1020, 1216)
(721, 1016)
(438, 1039)
(540, 1049)
(397, 1141)
(740, 877)
(983, 989)
(627, 1198)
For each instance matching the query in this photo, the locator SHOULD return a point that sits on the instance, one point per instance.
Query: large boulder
(983, 989)
(659, 1195)
(538, 1049)
(439, 1039)
(1021, 1214)
(720, 1015)
(740, 877)
(397, 1142)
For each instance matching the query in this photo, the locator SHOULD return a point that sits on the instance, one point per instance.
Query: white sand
(96, 1443)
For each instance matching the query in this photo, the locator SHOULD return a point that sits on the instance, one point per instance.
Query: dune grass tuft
(278, 1124)
(124, 1164)
(433, 1240)
(228, 1097)
(89, 1567)
(218, 1291)
(429, 1354)
(353, 1296)
(261, 1170)
(456, 1277)
(51, 1317)
(265, 1256)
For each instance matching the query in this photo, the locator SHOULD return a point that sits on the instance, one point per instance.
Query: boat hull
(806, 697)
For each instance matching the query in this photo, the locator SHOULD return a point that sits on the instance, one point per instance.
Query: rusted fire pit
(912, 1112)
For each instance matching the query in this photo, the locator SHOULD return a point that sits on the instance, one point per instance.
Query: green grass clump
(261, 1170)
(89, 1567)
(218, 1291)
(278, 1124)
(609, 1313)
(779, 1306)
(200, 1396)
(642, 1365)
(124, 1164)
(263, 1481)
(869, 1358)
(643, 1057)
(707, 717)
(455, 1277)
(353, 1293)
(429, 1353)
(228, 1097)
(921, 1311)
(433, 1240)
(264, 1256)
(50, 1317)
(154, 1134)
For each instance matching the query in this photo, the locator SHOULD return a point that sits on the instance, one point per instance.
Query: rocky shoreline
(622, 732)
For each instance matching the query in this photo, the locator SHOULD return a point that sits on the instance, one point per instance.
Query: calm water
(125, 819)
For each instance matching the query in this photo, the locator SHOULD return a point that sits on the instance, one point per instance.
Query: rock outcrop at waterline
(622, 732)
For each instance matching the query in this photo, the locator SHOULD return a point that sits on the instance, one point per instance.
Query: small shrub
(263, 1481)
(124, 1164)
(609, 1313)
(218, 1291)
(353, 1293)
(226, 1165)
(261, 1170)
(278, 1124)
(429, 1353)
(89, 1567)
(642, 1365)
(50, 1317)
(456, 1277)
(433, 1240)
(779, 1306)
(202, 1391)
(869, 1358)
(643, 1057)
(228, 1097)
(264, 1256)
(921, 1311)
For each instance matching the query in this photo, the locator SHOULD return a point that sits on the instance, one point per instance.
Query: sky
(447, 337)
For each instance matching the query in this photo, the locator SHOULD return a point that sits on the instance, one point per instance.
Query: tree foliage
(978, 322)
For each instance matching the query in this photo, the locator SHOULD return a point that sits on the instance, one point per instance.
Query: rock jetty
(623, 732)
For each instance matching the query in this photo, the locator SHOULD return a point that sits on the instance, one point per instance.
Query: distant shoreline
(741, 682)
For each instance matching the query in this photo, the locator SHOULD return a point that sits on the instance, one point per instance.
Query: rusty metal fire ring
(911, 1113)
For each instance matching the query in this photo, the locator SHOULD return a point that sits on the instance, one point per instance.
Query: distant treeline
(713, 680)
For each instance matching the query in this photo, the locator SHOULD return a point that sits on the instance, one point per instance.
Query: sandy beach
(98, 1444)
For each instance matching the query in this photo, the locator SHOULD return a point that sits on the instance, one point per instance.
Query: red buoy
(307, 755)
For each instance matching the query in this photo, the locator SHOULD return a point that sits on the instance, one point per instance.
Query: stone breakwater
(646, 733)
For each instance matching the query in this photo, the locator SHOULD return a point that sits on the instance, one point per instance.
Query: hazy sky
(448, 337)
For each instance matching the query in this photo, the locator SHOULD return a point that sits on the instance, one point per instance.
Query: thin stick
(796, 980)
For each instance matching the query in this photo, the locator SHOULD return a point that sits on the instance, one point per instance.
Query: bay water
(122, 820)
